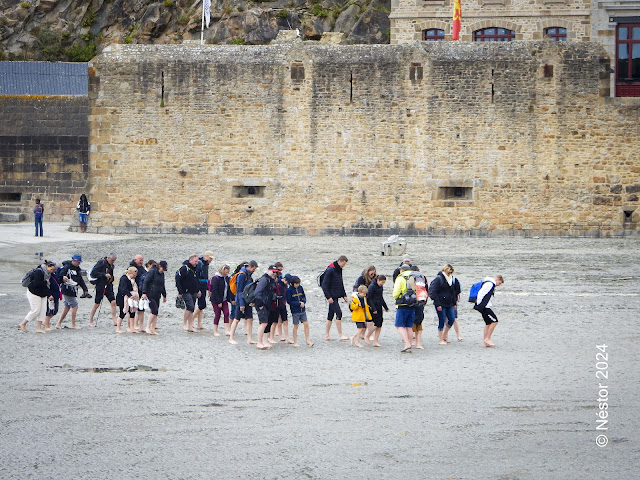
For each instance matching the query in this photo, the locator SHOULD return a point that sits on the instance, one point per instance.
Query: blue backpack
(473, 291)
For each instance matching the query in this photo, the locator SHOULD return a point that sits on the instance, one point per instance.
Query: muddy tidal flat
(558, 398)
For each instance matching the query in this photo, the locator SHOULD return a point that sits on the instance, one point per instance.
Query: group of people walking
(235, 294)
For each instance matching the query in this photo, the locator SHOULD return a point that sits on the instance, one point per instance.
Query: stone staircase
(12, 212)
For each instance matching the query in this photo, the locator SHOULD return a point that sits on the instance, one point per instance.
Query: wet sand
(202, 408)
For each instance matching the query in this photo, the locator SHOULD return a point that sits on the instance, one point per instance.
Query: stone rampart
(518, 138)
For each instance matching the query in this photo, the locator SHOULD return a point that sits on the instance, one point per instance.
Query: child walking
(360, 313)
(297, 304)
(376, 304)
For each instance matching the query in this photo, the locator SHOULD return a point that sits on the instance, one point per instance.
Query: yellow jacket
(359, 314)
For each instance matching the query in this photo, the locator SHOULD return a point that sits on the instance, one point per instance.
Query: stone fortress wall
(302, 138)
(44, 153)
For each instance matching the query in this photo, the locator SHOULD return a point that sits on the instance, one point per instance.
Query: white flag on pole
(207, 12)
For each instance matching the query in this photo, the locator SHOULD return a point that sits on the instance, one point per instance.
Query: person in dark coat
(376, 305)
(102, 271)
(220, 293)
(127, 289)
(38, 294)
(202, 272)
(333, 289)
(54, 303)
(70, 277)
(442, 292)
(138, 262)
(152, 289)
(189, 290)
(264, 297)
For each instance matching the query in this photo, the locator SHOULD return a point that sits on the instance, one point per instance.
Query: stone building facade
(605, 22)
(518, 138)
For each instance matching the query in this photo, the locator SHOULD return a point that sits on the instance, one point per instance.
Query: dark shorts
(282, 313)
(154, 304)
(377, 318)
(263, 315)
(248, 312)
(273, 318)
(298, 318)
(202, 301)
(361, 325)
(102, 292)
(334, 309)
(488, 316)
(121, 311)
(190, 301)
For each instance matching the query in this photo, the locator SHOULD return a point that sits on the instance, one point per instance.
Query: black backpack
(249, 293)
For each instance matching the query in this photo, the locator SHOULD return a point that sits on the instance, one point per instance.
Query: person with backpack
(102, 272)
(83, 207)
(202, 272)
(238, 283)
(37, 282)
(333, 288)
(189, 290)
(220, 293)
(421, 301)
(152, 289)
(442, 292)
(404, 293)
(70, 277)
(483, 305)
(38, 214)
(233, 289)
(264, 297)
(282, 327)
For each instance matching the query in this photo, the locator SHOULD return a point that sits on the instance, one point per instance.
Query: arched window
(557, 34)
(432, 35)
(494, 34)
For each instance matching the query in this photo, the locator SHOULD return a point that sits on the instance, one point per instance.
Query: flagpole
(202, 28)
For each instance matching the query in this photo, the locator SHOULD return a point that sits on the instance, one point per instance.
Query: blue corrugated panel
(44, 78)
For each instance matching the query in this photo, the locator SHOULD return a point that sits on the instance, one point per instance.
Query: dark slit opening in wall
(10, 197)
(628, 215)
(162, 90)
(351, 87)
(492, 86)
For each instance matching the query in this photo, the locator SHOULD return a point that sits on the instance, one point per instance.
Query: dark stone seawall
(44, 152)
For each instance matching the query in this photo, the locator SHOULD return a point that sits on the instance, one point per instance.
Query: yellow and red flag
(457, 14)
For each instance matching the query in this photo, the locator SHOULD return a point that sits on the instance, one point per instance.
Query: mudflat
(90, 403)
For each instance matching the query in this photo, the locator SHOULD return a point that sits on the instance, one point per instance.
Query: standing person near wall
(333, 289)
(189, 290)
(102, 272)
(83, 207)
(483, 305)
(70, 277)
(38, 295)
(242, 279)
(152, 289)
(38, 215)
(220, 294)
(202, 272)
(443, 294)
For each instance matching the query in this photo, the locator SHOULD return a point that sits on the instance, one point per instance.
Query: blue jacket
(202, 272)
(294, 297)
(242, 280)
